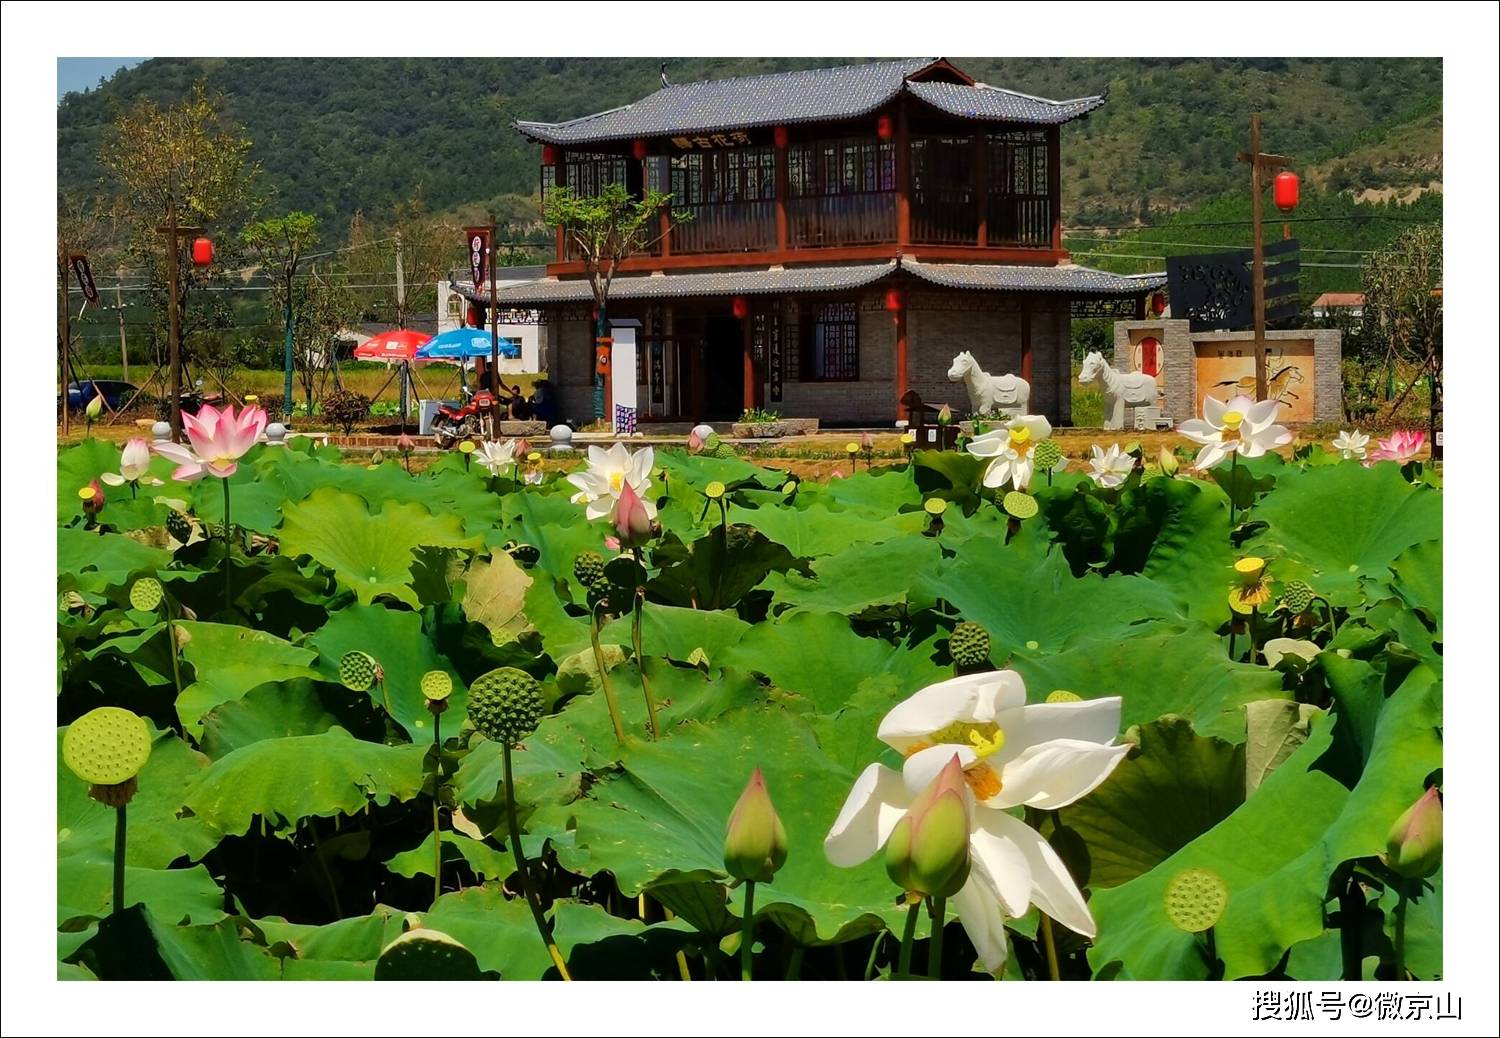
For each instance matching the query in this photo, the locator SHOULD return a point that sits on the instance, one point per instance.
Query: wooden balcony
(721, 227)
(831, 221)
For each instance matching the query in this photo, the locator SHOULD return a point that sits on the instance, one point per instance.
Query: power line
(1208, 245)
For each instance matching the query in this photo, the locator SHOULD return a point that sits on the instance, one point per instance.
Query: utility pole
(401, 317)
(120, 310)
(1259, 161)
(287, 404)
(63, 332)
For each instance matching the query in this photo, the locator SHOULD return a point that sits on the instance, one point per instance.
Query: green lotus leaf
(227, 661)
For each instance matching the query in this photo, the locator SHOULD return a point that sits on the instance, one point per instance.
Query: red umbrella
(396, 344)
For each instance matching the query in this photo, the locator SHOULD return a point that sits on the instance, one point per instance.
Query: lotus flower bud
(1414, 848)
(755, 842)
(95, 408)
(632, 521)
(405, 444)
(866, 442)
(522, 448)
(695, 442)
(945, 416)
(1168, 462)
(928, 851)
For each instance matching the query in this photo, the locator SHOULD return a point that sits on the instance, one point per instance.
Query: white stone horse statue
(990, 394)
(1121, 388)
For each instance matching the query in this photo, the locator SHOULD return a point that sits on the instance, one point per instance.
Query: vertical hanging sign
(479, 254)
(80, 264)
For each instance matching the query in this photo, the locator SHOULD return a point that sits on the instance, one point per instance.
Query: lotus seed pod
(1195, 899)
(935, 506)
(714, 490)
(1046, 455)
(588, 568)
(715, 447)
(505, 704)
(179, 525)
(107, 746)
(146, 594)
(754, 840)
(1062, 695)
(1020, 505)
(426, 955)
(1296, 596)
(969, 645)
(358, 671)
(437, 686)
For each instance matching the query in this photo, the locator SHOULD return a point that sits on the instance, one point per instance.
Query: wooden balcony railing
(822, 221)
(725, 227)
(1023, 221)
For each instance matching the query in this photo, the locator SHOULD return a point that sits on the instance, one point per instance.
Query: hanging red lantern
(893, 300)
(1286, 191)
(475, 316)
(780, 136)
(740, 308)
(203, 252)
(1158, 305)
(549, 155)
(638, 149)
(1150, 357)
(883, 128)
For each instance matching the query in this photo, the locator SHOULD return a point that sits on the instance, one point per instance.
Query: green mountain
(341, 135)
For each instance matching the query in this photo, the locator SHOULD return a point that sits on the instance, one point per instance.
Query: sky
(84, 73)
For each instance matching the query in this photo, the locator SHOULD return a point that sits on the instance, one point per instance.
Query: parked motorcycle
(452, 424)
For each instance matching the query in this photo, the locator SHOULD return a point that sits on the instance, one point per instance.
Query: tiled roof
(676, 286)
(994, 104)
(1081, 282)
(811, 95)
(1069, 278)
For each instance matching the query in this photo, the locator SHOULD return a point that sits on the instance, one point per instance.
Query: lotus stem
(908, 935)
(1049, 944)
(604, 681)
(1398, 940)
(166, 605)
(874, 953)
(227, 549)
(437, 832)
(523, 871)
(118, 905)
(794, 963)
(935, 945)
(747, 931)
(1212, 946)
(640, 660)
(1333, 624)
(1234, 464)
(1351, 919)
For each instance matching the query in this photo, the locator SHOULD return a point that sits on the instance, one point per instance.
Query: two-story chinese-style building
(852, 229)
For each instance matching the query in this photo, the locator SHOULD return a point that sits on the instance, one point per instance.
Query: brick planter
(773, 430)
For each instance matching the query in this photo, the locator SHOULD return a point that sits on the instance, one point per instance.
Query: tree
(323, 307)
(280, 243)
(428, 248)
(1403, 310)
(189, 155)
(607, 229)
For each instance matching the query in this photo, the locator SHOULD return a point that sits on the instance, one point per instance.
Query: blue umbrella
(465, 343)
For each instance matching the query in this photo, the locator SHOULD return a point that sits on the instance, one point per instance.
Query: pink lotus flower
(405, 444)
(135, 461)
(218, 438)
(866, 442)
(632, 522)
(1401, 446)
(695, 442)
(91, 497)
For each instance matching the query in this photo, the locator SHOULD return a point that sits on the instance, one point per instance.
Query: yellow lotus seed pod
(935, 505)
(107, 746)
(1195, 899)
(436, 686)
(1020, 505)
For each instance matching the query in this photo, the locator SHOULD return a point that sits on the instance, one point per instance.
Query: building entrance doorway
(723, 369)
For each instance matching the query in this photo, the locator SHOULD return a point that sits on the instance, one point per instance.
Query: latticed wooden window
(589, 173)
(841, 167)
(830, 342)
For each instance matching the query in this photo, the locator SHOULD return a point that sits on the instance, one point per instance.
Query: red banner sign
(479, 254)
(80, 264)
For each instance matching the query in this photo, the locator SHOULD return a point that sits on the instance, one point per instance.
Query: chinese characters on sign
(1336, 1005)
(479, 254)
(712, 140)
(81, 271)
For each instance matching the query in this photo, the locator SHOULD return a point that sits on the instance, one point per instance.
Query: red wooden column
(560, 179)
(903, 179)
(1054, 185)
(1026, 338)
(901, 356)
(751, 384)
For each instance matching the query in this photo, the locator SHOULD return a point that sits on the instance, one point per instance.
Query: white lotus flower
(1009, 450)
(1236, 426)
(1351, 445)
(135, 463)
(1108, 468)
(608, 471)
(1045, 756)
(496, 456)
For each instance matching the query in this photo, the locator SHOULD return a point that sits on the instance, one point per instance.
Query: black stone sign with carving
(1215, 292)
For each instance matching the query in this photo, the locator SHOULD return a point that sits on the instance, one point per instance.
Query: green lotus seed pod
(588, 568)
(107, 746)
(935, 506)
(1296, 596)
(969, 645)
(1046, 454)
(505, 704)
(1195, 899)
(1062, 695)
(426, 955)
(436, 686)
(715, 447)
(358, 671)
(1020, 505)
(145, 594)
